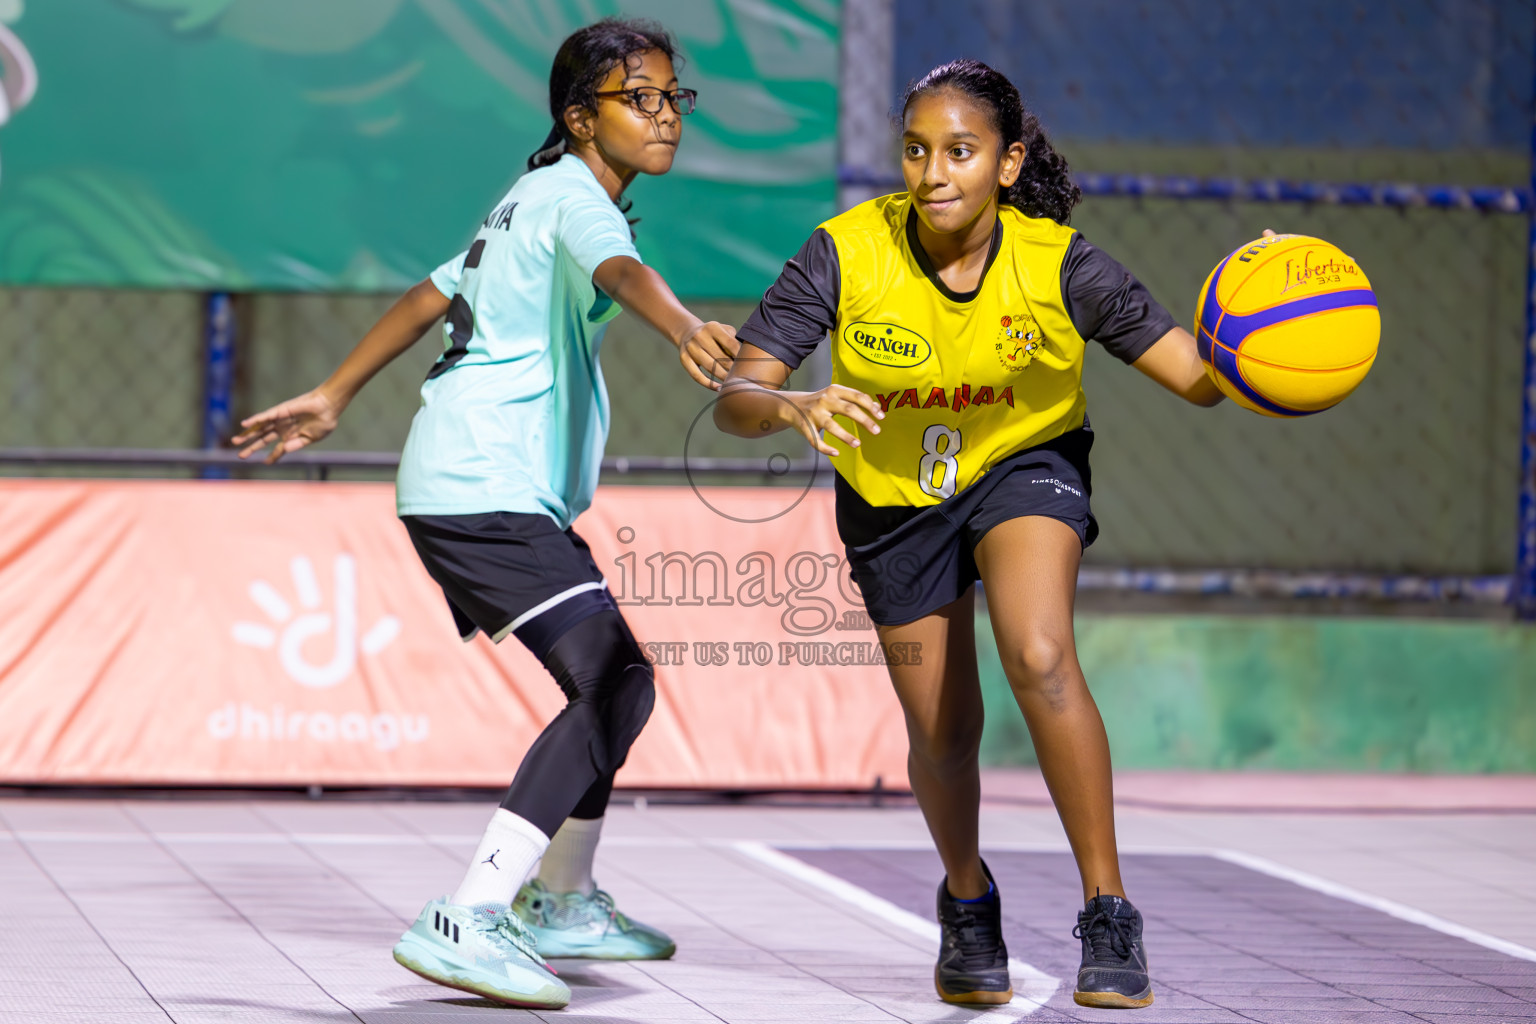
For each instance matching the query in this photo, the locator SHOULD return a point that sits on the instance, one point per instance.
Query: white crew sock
(567, 864)
(503, 860)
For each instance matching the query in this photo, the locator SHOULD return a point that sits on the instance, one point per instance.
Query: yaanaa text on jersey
(953, 399)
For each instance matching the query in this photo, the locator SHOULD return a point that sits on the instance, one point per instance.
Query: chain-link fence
(99, 368)
(1397, 129)
(114, 370)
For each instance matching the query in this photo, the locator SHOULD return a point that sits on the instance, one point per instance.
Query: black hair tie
(551, 141)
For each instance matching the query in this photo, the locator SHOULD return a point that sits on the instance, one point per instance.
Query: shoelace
(1106, 934)
(975, 934)
(510, 928)
(605, 902)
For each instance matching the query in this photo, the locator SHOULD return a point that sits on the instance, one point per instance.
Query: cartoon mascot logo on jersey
(1019, 341)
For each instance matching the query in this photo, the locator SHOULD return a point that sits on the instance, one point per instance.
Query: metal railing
(318, 464)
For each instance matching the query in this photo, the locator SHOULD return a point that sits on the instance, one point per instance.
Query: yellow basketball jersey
(963, 384)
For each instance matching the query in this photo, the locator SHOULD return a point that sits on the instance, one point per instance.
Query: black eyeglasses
(648, 99)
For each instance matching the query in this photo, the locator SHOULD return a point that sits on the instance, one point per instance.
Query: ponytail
(1044, 187)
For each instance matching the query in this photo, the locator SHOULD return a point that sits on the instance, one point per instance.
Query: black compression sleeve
(1108, 305)
(801, 306)
(610, 690)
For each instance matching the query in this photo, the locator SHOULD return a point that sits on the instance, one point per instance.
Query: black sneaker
(1114, 969)
(973, 962)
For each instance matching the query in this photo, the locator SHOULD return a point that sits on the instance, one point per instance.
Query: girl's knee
(948, 754)
(1040, 661)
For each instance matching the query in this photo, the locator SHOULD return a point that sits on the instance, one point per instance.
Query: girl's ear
(581, 123)
(1013, 163)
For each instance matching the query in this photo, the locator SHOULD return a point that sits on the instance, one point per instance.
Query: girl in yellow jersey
(958, 312)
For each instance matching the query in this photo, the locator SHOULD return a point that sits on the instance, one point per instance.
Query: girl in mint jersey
(502, 457)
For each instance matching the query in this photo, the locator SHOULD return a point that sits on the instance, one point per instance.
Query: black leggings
(610, 690)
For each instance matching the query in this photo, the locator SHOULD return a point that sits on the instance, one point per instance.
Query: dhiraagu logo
(317, 646)
(887, 344)
(290, 633)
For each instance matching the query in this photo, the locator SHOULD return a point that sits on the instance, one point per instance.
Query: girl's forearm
(1174, 362)
(748, 409)
(645, 293)
(397, 330)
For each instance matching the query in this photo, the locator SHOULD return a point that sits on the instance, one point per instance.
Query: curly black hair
(583, 61)
(1044, 187)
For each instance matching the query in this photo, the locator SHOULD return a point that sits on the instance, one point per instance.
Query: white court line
(1038, 986)
(1391, 908)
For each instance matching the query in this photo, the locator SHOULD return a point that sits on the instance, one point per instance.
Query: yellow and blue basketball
(1287, 326)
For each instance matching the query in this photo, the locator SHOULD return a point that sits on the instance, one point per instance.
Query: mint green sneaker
(574, 924)
(484, 949)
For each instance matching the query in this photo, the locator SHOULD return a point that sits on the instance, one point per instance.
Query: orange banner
(285, 633)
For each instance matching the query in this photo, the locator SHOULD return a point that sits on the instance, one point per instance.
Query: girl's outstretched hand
(708, 352)
(817, 408)
(288, 427)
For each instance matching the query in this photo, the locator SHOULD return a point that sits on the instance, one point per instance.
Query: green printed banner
(355, 144)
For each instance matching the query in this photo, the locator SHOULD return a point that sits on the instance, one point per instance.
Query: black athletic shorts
(511, 572)
(910, 561)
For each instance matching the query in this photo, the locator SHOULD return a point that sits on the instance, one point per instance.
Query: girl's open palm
(814, 411)
(288, 427)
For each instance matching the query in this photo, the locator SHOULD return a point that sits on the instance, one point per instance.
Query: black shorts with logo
(911, 561)
(511, 572)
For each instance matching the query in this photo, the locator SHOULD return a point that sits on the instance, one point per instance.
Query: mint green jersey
(514, 414)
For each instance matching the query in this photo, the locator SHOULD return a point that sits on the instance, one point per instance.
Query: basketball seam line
(1292, 369)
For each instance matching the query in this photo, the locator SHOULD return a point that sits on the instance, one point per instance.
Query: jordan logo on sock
(491, 860)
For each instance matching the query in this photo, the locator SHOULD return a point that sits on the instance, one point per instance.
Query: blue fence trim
(218, 377)
(1485, 198)
(1292, 584)
(1524, 590)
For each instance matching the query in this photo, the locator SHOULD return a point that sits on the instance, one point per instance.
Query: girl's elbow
(1204, 394)
(724, 421)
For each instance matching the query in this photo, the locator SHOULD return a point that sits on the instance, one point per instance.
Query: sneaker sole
(980, 998)
(598, 954)
(408, 953)
(1112, 1000)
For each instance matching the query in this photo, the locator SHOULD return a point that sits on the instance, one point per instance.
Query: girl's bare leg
(1029, 568)
(941, 697)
